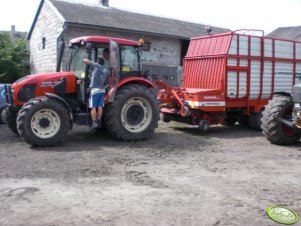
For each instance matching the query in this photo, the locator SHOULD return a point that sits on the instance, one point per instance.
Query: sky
(264, 15)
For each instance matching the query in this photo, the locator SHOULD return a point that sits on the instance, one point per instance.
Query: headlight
(297, 93)
(27, 92)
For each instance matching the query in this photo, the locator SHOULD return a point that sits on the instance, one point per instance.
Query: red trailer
(229, 78)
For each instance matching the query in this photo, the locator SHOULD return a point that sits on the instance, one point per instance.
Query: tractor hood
(38, 78)
(32, 86)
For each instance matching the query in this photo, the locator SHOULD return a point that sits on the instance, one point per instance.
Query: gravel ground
(178, 177)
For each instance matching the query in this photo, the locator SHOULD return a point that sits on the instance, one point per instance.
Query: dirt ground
(229, 176)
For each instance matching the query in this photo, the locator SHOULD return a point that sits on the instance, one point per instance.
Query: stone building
(166, 40)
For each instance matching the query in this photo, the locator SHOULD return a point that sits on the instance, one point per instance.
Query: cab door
(114, 74)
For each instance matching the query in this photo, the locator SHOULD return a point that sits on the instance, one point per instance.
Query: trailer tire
(11, 121)
(255, 121)
(279, 106)
(230, 119)
(43, 122)
(133, 115)
(165, 118)
(243, 120)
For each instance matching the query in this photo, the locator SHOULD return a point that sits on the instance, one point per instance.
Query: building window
(146, 46)
(43, 43)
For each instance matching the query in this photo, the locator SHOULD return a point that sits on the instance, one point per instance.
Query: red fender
(136, 80)
(133, 80)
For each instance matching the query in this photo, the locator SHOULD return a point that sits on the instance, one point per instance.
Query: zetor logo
(282, 215)
(49, 83)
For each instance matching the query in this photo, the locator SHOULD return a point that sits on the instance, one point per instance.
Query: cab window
(129, 59)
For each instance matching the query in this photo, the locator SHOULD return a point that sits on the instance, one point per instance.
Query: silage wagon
(231, 77)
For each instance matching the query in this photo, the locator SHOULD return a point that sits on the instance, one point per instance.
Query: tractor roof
(101, 39)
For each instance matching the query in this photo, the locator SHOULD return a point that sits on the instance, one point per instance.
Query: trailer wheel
(43, 122)
(203, 126)
(230, 119)
(11, 121)
(255, 121)
(276, 132)
(133, 115)
(243, 120)
(165, 118)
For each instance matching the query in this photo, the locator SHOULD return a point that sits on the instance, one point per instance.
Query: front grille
(8, 94)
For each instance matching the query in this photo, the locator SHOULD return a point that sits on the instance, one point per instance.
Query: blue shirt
(99, 76)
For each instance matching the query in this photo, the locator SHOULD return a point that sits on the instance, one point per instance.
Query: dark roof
(108, 17)
(291, 33)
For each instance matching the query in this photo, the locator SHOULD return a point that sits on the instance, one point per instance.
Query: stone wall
(48, 26)
(164, 54)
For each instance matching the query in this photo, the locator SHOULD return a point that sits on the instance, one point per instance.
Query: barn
(166, 40)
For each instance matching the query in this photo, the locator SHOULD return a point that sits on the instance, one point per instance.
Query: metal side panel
(204, 73)
(267, 79)
(232, 62)
(298, 51)
(242, 84)
(243, 63)
(268, 47)
(243, 45)
(254, 79)
(298, 73)
(255, 46)
(284, 49)
(283, 77)
(211, 45)
(233, 46)
(232, 84)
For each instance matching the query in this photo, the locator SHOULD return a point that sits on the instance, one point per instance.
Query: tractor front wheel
(275, 131)
(3, 115)
(11, 120)
(133, 115)
(43, 122)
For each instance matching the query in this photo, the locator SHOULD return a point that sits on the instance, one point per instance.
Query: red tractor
(43, 107)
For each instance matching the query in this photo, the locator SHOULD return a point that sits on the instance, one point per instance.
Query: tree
(13, 58)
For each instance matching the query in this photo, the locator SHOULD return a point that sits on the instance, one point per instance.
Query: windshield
(77, 65)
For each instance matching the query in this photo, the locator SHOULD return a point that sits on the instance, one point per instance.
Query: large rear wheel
(133, 115)
(275, 131)
(43, 122)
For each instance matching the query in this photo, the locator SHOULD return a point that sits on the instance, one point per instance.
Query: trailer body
(230, 75)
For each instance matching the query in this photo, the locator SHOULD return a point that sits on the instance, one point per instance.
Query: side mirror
(89, 46)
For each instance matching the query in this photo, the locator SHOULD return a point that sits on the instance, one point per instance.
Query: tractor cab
(122, 61)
